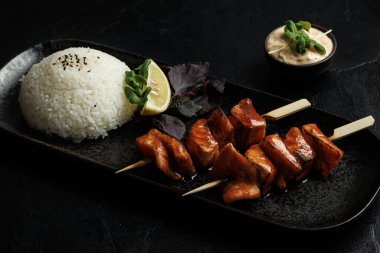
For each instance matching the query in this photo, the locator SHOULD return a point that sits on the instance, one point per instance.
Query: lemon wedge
(159, 97)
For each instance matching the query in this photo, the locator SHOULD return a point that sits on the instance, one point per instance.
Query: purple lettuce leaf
(187, 75)
(184, 106)
(171, 125)
(195, 94)
(211, 95)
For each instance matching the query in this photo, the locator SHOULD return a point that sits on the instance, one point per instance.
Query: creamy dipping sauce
(277, 40)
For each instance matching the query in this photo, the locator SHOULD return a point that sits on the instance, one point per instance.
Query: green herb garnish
(299, 40)
(136, 88)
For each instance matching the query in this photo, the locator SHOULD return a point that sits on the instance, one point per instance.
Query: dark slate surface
(52, 204)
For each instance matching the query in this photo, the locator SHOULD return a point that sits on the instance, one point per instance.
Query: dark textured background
(52, 204)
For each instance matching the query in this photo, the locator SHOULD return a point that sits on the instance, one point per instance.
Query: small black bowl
(306, 70)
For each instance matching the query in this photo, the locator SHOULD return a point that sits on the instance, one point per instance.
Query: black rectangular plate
(313, 205)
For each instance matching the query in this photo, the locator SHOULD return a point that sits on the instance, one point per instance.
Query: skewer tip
(135, 165)
(188, 193)
(204, 187)
(371, 119)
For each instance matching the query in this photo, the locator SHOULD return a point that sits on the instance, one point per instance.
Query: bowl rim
(321, 28)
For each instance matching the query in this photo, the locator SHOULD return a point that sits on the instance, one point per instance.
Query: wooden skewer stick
(339, 133)
(287, 110)
(276, 114)
(204, 187)
(351, 128)
(135, 165)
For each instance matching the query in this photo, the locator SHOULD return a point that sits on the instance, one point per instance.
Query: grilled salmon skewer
(267, 171)
(221, 128)
(265, 158)
(225, 130)
(309, 147)
(248, 124)
(327, 158)
(288, 166)
(222, 131)
(201, 144)
(243, 128)
(151, 146)
(249, 128)
(300, 148)
(242, 175)
(170, 155)
(243, 183)
(328, 154)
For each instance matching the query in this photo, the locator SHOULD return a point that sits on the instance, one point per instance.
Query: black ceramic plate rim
(167, 188)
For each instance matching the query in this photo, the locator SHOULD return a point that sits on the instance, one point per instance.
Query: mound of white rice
(76, 93)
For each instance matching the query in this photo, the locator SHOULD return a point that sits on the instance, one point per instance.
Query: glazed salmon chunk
(220, 127)
(177, 152)
(249, 125)
(152, 147)
(287, 164)
(202, 146)
(298, 147)
(328, 154)
(264, 166)
(242, 177)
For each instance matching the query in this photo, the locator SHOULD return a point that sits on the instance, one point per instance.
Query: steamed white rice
(76, 93)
